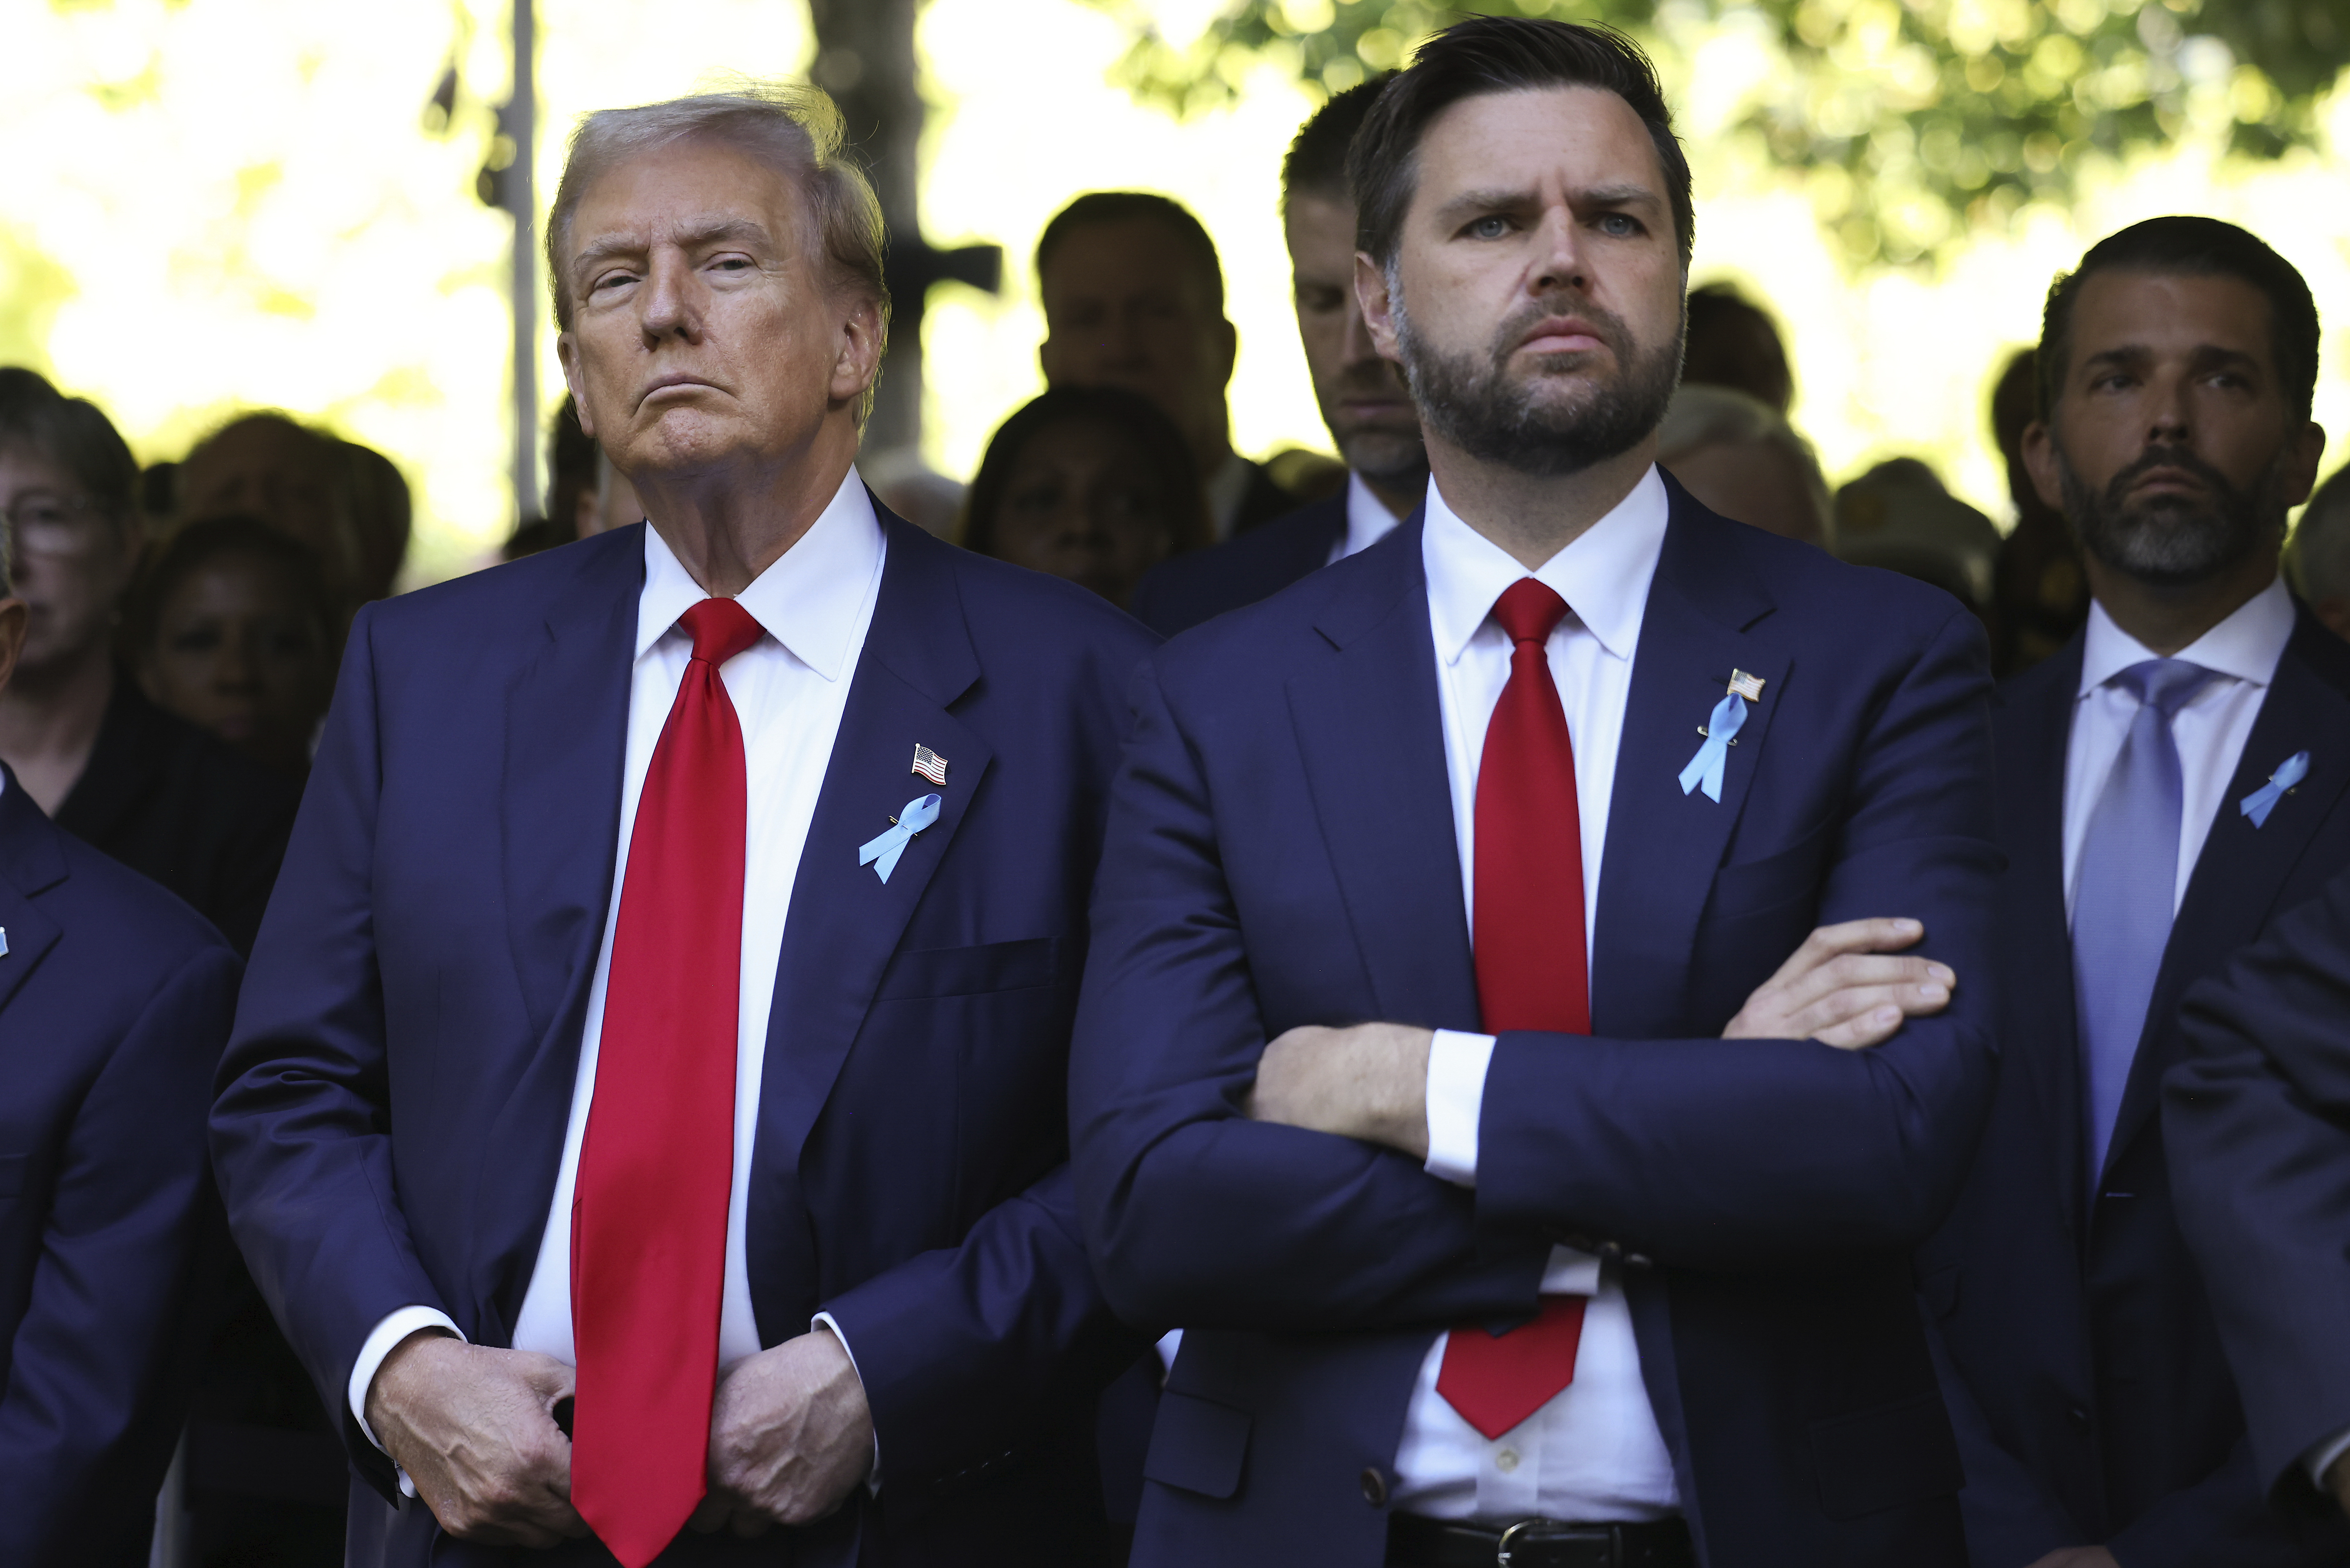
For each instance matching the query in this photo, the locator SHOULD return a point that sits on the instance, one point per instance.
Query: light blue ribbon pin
(1705, 768)
(918, 815)
(2262, 801)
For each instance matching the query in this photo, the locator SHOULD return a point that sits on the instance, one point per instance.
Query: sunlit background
(215, 204)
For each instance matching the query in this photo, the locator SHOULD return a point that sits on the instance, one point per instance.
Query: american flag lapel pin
(1749, 687)
(930, 765)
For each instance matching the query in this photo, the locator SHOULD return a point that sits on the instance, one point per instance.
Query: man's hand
(1844, 988)
(474, 1428)
(790, 1436)
(2078, 1557)
(1369, 1082)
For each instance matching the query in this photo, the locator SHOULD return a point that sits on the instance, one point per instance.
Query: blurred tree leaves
(1912, 121)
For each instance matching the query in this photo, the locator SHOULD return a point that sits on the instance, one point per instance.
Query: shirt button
(1506, 1461)
(1375, 1486)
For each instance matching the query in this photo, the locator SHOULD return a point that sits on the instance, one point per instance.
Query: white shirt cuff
(1456, 1095)
(873, 1477)
(2321, 1454)
(387, 1337)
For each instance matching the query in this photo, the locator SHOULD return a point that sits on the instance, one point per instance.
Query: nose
(1557, 258)
(235, 668)
(672, 299)
(2167, 418)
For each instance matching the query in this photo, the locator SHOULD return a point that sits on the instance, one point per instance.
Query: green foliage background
(1912, 121)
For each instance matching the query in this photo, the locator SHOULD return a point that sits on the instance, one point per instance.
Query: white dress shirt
(1368, 521)
(2210, 728)
(1593, 1452)
(789, 689)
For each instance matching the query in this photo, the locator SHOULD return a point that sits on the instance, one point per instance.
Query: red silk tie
(657, 1161)
(1530, 970)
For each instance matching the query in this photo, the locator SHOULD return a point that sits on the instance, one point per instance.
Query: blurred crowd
(187, 618)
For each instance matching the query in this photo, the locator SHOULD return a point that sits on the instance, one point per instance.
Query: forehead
(1569, 137)
(2178, 312)
(24, 466)
(689, 181)
(1322, 221)
(1121, 259)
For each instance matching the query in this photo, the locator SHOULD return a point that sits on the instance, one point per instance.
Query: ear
(567, 349)
(1371, 295)
(13, 617)
(2303, 451)
(859, 359)
(2040, 460)
(1227, 341)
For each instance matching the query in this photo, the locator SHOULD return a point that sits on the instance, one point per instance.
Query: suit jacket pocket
(12, 1174)
(967, 971)
(1895, 1453)
(1750, 887)
(1198, 1445)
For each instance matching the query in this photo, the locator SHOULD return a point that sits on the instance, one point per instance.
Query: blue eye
(1490, 227)
(1618, 224)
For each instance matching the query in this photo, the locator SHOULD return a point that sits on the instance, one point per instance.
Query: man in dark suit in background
(1363, 399)
(1134, 296)
(114, 1002)
(2258, 1124)
(617, 1010)
(2146, 841)
(1478, 782)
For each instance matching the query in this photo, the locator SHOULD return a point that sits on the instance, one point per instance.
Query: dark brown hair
(1129, 413)
(1097, 208)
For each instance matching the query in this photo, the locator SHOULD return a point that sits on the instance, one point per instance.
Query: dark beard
(2172, 541)
(1471, 402)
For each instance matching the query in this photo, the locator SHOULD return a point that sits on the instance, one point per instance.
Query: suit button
(1375, 1486)
(2079, 1417)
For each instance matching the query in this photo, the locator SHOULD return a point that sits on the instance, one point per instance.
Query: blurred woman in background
(1090, 483)
(233, 629)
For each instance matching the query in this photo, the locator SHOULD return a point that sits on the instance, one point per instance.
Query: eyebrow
(691, 235)
(2130, 355)
(1496, 197)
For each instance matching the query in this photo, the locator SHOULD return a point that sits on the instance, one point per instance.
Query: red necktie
(1530, 970)
(656, 1162)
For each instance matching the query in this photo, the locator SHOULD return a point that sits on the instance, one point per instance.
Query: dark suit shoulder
(1022, 607)
(514, 595)
(150, 930)
(1183, 592)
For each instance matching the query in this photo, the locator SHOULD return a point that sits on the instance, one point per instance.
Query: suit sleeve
(2257, 1126)
(298, 1131)
(1197, 1215)
(1713, 1153)
(2223, 1518)
(102, 1364)
(970, 1353)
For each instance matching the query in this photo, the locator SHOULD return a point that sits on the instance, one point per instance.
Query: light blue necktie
(2126, 886)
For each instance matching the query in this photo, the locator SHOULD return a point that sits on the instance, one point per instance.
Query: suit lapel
(1663, 846)
(2243, 870)
(1370, 733)
(845, 922)
(2034, 730)
(30, 864)
(566, 743)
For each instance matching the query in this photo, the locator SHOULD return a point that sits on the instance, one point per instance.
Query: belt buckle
(1533, 1531)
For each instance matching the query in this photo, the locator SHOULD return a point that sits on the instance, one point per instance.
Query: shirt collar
(1603, 573)
(808, 599)
(2246, 645)
(1368, 521)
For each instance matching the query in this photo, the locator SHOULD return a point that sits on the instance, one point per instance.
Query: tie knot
(2164, 685)
(1529, 611)
(721, 628)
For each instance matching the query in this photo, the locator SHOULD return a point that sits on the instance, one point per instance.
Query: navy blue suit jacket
(1181, 592)
(2094, 1403)
(1280, 852)
(114, 1003)
(2258, 1124)
(394, 1100)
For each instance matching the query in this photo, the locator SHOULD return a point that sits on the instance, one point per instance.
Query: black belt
(1417, 1543)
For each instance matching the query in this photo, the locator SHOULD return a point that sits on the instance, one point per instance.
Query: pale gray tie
(2125, 890)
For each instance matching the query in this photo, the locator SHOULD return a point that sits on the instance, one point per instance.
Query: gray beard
(1470, 401)
(2173, 541)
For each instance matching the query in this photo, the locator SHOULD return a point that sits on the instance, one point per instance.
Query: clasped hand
(1850, 985)
(473, 1426)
